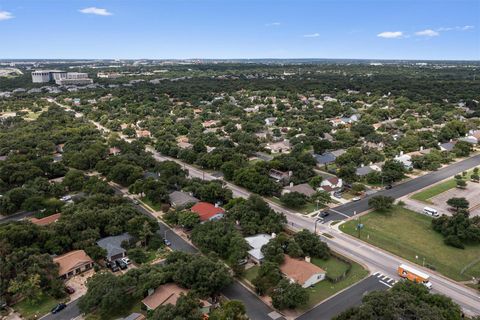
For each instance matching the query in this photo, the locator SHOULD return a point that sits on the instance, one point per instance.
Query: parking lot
(471, 193)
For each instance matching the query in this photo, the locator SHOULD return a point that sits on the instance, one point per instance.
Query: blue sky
(381, 29)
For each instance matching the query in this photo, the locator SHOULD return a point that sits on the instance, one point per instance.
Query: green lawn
(437, 189)
(151, 204)
(325, 288)
(409, 234)
(30, 310)
(251, 273)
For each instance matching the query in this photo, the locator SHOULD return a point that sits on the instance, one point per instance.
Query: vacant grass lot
(251, 273)
(409, 234)
(34, 310)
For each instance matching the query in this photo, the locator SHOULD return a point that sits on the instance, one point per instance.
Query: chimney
(290, 173)
(274, 235)
(362, 165)
(291, 184)
(421, 148)
(216, 205)
(401, 153)
(307, 259)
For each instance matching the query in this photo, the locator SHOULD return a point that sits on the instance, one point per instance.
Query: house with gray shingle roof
(180, 199)
(113, 246)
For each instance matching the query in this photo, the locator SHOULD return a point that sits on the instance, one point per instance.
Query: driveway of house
(78, 283)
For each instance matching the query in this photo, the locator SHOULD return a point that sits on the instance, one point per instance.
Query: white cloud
(465, 28)
(312, 35)
(96, 11)
(5, 15)
(390, 34)
(427, 33)
(273, 24)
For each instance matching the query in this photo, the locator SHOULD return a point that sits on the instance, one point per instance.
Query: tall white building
(42, 76)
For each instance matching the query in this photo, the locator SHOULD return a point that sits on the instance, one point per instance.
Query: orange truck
(412, 274)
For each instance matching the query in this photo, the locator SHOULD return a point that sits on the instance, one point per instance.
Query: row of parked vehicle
(119, 264)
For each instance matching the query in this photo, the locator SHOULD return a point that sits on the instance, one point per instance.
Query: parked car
(168, 243)
(356, 199)
(241, 262)
(136, 201)
(112, 266)
(388, 187)
(66, 198)
(122, 265)
(126, 260)
(323, 214)
(59, 307)
(69, 290)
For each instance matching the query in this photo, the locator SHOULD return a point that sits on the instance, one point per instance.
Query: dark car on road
(69, 290)
(59, 307)
(323, 214)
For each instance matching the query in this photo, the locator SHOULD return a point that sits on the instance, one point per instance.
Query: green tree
(381, 203)
(230, 310)
(289, 295)
(458, 203)
(293, 199)
(311, 244)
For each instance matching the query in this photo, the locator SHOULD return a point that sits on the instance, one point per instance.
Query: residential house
(114, 151)
(303, 188)
(469, 139)
(210, 123)
(46, 220)
(169, 293)
(280, 176)
(302, 272)
(405, 159)
(143, 134)
(207, 211)
(73, 263)
(447, 146)
(256, 243)
(325, 158)
(279, 147)
(270, 121)
(331, 185)
(180, 199)
(364, 170)
(113, 246)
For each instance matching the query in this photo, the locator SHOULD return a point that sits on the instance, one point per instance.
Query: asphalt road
(402, 189)
(69, 313)
(347, 299)
(16, 216)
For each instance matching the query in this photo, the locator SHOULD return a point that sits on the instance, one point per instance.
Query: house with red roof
(331, 185)
(207, 211)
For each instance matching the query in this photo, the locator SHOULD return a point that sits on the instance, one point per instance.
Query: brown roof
(299, 270)
(71, 260)
(165, 294)
(47, 220)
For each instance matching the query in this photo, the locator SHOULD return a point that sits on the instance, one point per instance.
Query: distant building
(46, 220)
(43, 76)
(280, 176)
(303, 188)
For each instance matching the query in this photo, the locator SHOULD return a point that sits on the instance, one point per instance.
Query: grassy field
(437, 189)
(409, 235)
(30, 310)
(152, 205)
(251, 273)
(325, 289)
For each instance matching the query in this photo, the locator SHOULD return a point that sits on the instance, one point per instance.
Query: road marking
(343, 214)
(375, 274)
(385, 277)
(388, 285)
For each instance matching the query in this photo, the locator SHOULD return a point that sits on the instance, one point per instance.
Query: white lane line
(385, 277)
(391, 280)
(343, 214)
(379, 275)
(378, 272)
(388, 285)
